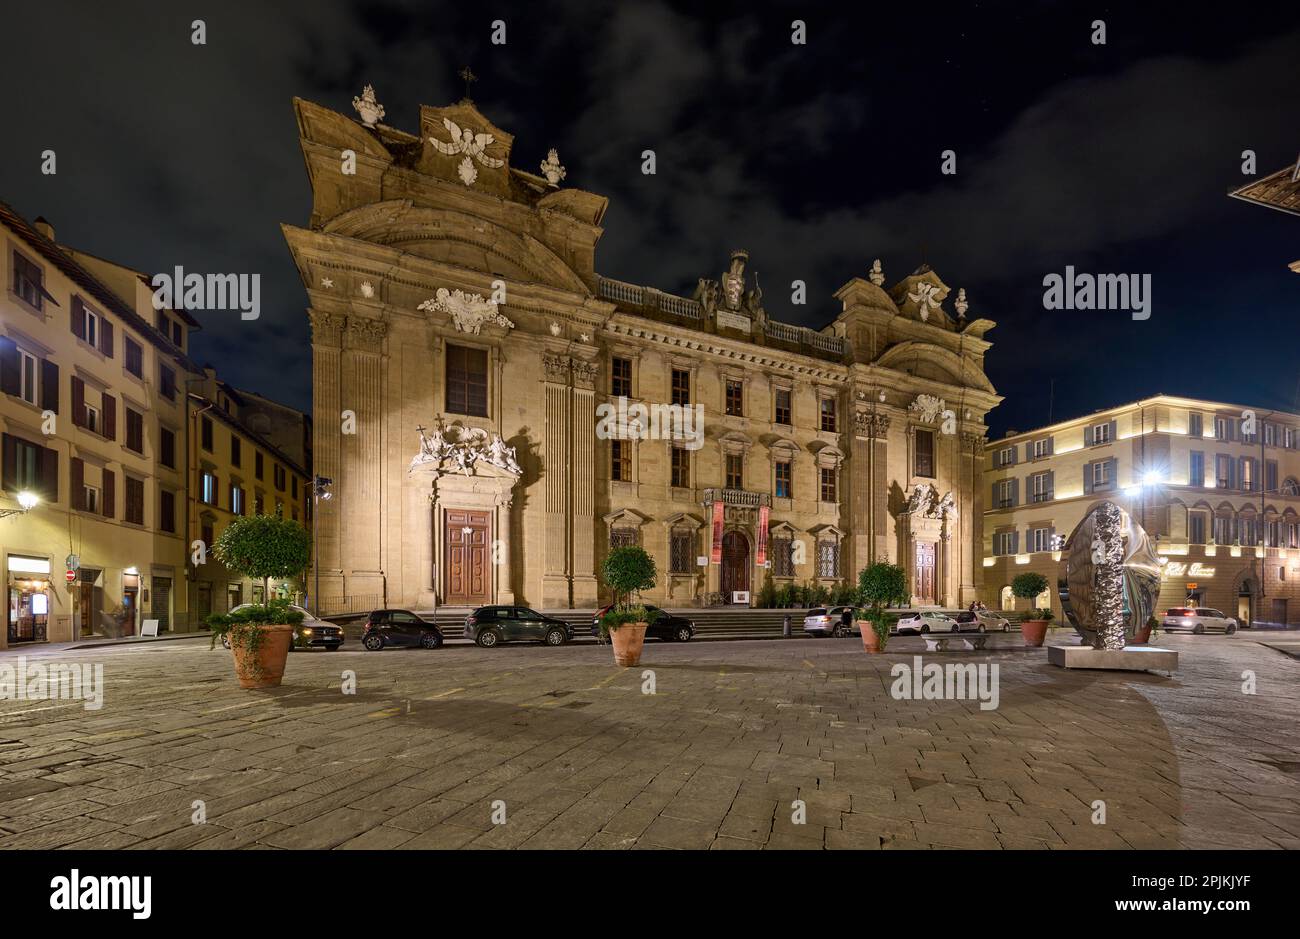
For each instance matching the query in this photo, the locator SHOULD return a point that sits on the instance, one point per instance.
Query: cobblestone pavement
(582, 758)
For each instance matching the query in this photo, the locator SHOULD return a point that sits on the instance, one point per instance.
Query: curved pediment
(459, 239)
(927, 360)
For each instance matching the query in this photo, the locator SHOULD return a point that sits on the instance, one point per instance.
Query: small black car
(399, 628)
(492, 625)
(660, 624)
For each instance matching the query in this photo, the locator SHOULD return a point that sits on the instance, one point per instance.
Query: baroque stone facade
(468, 359)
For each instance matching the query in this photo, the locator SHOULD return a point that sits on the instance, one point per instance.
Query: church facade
(495, 415)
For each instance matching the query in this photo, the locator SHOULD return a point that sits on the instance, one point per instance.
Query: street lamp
(320, 492)
(26, 501)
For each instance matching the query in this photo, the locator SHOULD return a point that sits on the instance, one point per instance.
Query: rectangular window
(1195, 425)
(620, 460)
(829, 492)
(735, 398)
(205, 433)
(208, 533)
(134, 431)
(235, 452)
(828, 559)
(1196, 468)
(167, 511)
(26, 473)
(1040, 539)
(827, 408)
(1196, 528)
(167, 382)
(924, 453)
(682, 552)
(90, 327)
(277, 472)
(681, 467)
(208, 489)
(1270, 435)
(1223, 470)
(236, 499)
(467, 381)
(1006, 456)
(29, 281)
(1004, 543)
(28, 370)
(735, 471)
(784, 480)
(257, 464)
(93, 419)
(1099, 474)
(681, 386)
(622, 537)
(166, 447)
(134, 501)
(781, 406)
(1270, 476)
(1042, 448)
(90, 499)
(293, 486)
(178, 335)
(134, 356)
(1221, 428)
(620, 377)
(1040, 487)
(1100, 434)
(1006, 497)
(1248, 475)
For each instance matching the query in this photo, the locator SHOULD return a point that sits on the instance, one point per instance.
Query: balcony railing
(622, 292)
(737, 497)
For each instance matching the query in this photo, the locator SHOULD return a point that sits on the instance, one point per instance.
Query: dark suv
(660, 624)
(492, 625)
(399, 628)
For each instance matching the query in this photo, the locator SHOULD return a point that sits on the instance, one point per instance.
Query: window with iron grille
(735, 471)
(828, 559)
(467, 381)
(924, 453)
(620, 378)
(781, 405)
(735, 398)
(620, 460)
(681, 467)
(829, 493)
(828, 422)
(681, 386)
(622, 537)
(682, 551)
(784, 479)
(782, 557)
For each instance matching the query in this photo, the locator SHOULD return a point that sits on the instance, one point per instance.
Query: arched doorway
(1007, 599)
(735, 564)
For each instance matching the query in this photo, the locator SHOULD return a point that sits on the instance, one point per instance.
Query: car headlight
(306, 632)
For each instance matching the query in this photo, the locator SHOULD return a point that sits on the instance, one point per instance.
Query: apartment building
(1216, 484)
(92, 419)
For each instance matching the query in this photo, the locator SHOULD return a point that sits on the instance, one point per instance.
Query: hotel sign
(1179, 569)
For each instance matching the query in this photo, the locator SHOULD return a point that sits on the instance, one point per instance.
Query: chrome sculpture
(1112, 577)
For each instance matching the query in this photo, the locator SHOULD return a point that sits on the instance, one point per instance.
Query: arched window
(1008, 599)
(1291, 487)
(1044, 600)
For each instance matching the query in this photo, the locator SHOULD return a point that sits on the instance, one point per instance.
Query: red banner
(763, 513)
(717, 533)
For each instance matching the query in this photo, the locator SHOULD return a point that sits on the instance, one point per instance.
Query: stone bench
(969, 641)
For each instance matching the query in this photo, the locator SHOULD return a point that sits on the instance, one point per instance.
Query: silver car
(1198, 619)
(927, 621)
(834, 621)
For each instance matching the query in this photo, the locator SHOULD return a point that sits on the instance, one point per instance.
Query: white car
(834, 621)
(927, 621)
(1198, 619)
(312, 631)
(981, 621)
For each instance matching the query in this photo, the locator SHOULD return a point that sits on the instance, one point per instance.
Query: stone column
(327, 333)
(585, 587)
(880, 488)
(971, 526)
(360, 502)
(861, 544)
(505, 583)
(556, 587)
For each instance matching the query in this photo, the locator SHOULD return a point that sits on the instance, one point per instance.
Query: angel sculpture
(921, 499)
(947, 508)
(464, 140)
(502, 455)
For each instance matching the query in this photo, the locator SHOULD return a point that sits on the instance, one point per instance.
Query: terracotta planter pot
(265, 669)
(627, 641)
(1142, 636)
(1034, 631)
(870, 641)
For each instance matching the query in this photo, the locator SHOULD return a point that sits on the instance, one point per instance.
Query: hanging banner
(763, 512)
(717, 533)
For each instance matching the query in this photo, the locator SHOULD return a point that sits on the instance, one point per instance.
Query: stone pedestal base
(1128, 659)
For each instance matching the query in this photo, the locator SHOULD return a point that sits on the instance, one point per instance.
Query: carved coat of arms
(468, 312)
(928, 407)
(464, 140)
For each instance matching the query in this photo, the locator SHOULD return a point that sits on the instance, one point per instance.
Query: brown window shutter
(106, 337)
(110, 494)
(78, 483)
(50, 474)
(49, 386)
(78, 402)
(10, 377)
(78, 318)
(10, 467)
(110, 417)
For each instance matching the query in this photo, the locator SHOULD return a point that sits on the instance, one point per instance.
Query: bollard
(785, 633)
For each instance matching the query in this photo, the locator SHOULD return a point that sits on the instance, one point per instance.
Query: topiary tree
(627, 570)
(1028, 586)
(880, 585)
(262, 547)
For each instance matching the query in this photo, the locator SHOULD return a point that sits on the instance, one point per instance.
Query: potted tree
(262, 547)
(880, 585)
(1033, 627)
(1145, 631)
(626, 571)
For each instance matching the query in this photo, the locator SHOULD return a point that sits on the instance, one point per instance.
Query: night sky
(816, 158)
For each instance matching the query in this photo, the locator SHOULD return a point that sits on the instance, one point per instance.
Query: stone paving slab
(437, 747)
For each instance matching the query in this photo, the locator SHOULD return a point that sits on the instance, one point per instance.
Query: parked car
(926, 621)
(981, 621)
(1198, 619)
(660, 624)
(834, 621)
(491, 625)
(399, 628)
(311, 633)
